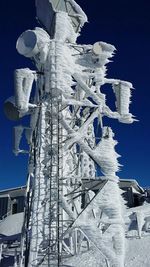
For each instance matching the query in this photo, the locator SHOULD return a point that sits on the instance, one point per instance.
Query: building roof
(133, 183)
(16, 191)
(96, 184)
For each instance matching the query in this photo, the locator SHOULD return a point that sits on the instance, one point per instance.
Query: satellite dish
(30, 41)
(10, 109)
(46, 10)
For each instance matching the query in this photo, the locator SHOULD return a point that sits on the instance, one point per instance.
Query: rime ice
(65, 220)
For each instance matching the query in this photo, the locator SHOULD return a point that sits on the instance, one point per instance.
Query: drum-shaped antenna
(26, 44)
(30, 42)
(97, 48)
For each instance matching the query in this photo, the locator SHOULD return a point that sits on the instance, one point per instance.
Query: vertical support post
(1, 251)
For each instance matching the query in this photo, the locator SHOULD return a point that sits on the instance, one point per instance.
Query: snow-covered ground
(12, 225)
(137, 248)
(137, 241)
(137, 255)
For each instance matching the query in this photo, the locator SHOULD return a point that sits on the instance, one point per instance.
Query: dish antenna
(10, 110)
(46, 10)
(30, 42)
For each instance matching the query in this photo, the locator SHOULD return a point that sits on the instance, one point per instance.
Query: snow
(138, 237)
(73, 74)
(68, 33)
(23, 85)
(18, 131)
(106, 153)
(108, 200)
(137, 248)
(106, 52)
(12, 225)
(31, 42)
(137, 253)
(18, 134)
(83, 17)
(122, 91)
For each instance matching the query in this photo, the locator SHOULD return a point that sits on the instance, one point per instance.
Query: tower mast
(65, 209)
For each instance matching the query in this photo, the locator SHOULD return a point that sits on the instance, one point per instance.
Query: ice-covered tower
(65, 215)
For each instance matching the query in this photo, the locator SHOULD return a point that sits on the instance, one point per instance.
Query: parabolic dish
(46, 10)
(10, 110)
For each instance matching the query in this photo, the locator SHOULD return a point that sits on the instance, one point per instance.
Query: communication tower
(71, 212)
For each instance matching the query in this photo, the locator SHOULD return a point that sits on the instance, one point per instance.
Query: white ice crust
(69, 100)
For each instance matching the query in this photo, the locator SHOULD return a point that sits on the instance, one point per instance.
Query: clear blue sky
(123, 23)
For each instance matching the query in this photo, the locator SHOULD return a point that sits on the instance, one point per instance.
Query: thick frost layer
(23, 85)
(106, 51)
(68, 33)
(106, 153)
(122, 91)
(71, 79)
(18, 132)
(33, 42)
(12, 225)
(82, 15)
(109, 240)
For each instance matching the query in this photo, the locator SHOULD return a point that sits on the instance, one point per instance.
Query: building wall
(12, 202)
(3, 206)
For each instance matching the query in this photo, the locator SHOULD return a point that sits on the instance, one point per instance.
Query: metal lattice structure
(65, 214)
